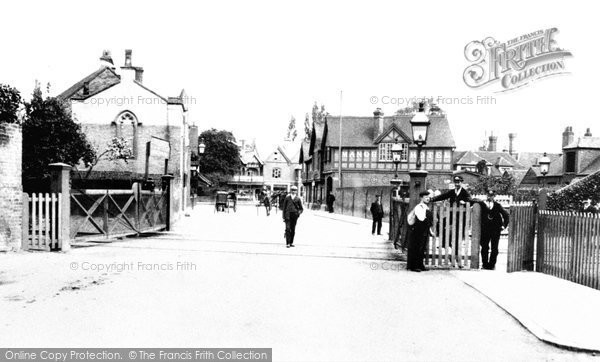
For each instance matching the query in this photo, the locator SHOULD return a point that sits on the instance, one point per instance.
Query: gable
(97, 82)
(391, 135)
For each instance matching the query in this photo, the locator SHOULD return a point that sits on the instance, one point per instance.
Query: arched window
(126, 125)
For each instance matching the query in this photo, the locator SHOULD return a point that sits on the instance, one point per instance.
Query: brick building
(110, 102)
(366, 157)
(579, 158)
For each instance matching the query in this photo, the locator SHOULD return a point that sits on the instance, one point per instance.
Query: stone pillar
(416, 186)
(543, 199)
(475, 235)
(61, 185)
(11, 189)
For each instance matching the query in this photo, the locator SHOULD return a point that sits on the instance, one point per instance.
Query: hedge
(570, 198)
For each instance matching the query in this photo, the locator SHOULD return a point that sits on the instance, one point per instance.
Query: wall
(11, 190)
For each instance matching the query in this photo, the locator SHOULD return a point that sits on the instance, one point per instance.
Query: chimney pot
(588, 133)
(378, 123)
(568, 136)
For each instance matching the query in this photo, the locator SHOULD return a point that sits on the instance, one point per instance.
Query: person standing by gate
(377, 213)
(493, 220)
(420, 220)
(292, 208)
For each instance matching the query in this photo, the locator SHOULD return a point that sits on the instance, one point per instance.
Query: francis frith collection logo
(516, 62)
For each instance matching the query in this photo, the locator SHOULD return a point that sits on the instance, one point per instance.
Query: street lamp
(420, 125)
(201, 146)
(544, 167)
(396, 155)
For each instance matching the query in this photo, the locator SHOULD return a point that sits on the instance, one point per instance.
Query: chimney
(493, 142)
(106, 60)
(567, 136)
(129, 72)
(127, 57)
(139, 74)
(588, 133)
(511, 143)
(378, 122)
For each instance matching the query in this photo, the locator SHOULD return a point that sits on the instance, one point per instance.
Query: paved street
(227, 280)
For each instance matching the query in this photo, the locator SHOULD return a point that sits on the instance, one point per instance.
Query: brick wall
(11, 190)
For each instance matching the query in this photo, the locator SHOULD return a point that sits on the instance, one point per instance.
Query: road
(227, 280)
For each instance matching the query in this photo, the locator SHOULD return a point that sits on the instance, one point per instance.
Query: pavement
(555, 310)
(340, 294)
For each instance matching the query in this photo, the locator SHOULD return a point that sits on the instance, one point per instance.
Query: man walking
(266, 199)
(292, 208)
(377, 213)
(493, 220)
(420, 232)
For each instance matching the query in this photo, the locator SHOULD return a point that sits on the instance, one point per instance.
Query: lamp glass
(420, 133)
(201, 147)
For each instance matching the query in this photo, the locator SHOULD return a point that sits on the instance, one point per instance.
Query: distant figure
(292, 208)
(588, 207)
(330, 201)
(420, 232)
(377, 213)
(266, 199)
(493, 220)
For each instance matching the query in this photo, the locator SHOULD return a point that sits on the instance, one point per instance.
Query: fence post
(61, 185)
(166, 181)
(475, 235)
(353, 195)
(25, 225)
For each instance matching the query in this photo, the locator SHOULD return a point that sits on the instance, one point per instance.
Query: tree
(221, 156)
(504, 185)
(291, 132)
(51, 135)
(10, 104)
(307, 128)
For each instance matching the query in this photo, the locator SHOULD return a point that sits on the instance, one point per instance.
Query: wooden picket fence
(568, 246)
(521, 236)
(453, 244)
(41, 221)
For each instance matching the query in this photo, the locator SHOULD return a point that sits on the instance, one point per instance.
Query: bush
(570, 197)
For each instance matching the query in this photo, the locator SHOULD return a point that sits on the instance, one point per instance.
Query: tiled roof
(249, 156)
(517, 175)
(593, 167)
(528, 159)
(359, 131)
(584, 142)
(499, 159)
(98, 81)
(303, 154)
(555, 168)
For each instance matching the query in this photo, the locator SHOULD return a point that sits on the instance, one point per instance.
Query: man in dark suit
(377, 213)
(292, 208)
(330, 200)
(459, 195)
(493, 220)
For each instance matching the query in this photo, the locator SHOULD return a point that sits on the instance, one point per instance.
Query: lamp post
(420, 127)
(543, 194)
(544, 168)
(201, 148)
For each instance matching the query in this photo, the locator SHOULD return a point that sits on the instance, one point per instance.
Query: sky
(248, 66)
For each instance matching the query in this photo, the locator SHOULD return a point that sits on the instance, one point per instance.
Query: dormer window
(385, 152)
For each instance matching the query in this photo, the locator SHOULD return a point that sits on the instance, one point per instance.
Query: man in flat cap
(377, 213)
(292, 208)
(493, 220)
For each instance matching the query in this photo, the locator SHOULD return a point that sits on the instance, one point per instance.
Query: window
(385, 152)
(276, 172)
(570, 162)
(126, 127)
